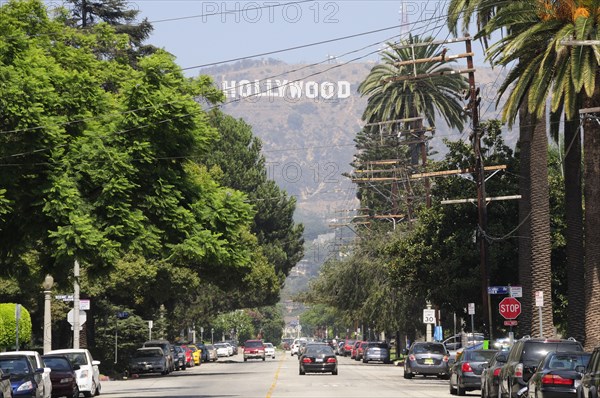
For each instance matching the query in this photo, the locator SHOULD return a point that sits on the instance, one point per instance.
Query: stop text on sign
(510, 308)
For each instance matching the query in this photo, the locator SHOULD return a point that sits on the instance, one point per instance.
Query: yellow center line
(274, 384)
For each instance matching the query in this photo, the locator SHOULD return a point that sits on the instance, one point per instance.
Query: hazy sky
(201, 32)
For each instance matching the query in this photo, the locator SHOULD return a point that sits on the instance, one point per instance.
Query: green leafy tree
(8, 326)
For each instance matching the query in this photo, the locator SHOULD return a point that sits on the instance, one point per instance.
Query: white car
(222, 350)
(269, 350)
(88, 374)
(229, 349)
(296, 346)
(36, 360)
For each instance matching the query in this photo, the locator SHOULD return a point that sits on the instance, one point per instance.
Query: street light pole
(48, 283)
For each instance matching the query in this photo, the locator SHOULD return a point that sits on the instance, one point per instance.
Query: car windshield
(253, 344)
(318, 350)
(76, 358)
(567, 361)
(148, 353)
(533, 352)
(220, 345)
(429, 348)
(269, 345)
(14, 365)
(56, 363)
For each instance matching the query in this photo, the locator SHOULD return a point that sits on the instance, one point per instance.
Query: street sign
(64, 297)
(82, 317)
(471, 308)
(509, 307)
(84, 304)
(122, 315)
(511, 323)
(428, 316)
(497, 289)
(515, 291)
(539, 298)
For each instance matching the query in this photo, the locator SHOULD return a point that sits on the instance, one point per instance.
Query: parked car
(302, 347)
(377, 351)
(88, 374)
(25, 380)
(196, 354)
(296, 346)
(5, 386)
(490, 375)
(179, 359)
(203, 352)
(189, 357)
(37, 362)
(212, 352)
(148, 360)
(318, 358)
(254, 349)
(465, 373)
(426, 359)
(346, 349)
(590, 380)
(63, 376)
(166, 347)
(270, 350)
(360, 350)
(234, 344)
(558, 375)
(222, 350)
(354, 349)
(523, 359)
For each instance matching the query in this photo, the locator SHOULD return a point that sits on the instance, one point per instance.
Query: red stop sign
(510, 308)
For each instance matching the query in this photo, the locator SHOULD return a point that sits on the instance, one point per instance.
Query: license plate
(319, 360)
(428, 361)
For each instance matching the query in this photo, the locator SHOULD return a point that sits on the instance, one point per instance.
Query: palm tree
(396, 89)
(569, 74)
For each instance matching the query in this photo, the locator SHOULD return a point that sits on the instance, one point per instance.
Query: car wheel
(334, 373)
(245, 359)
(301, 372)
(452, 389)
(92, 392)
(264, 358)
(460, 390)
(408, 375)
(365, 360)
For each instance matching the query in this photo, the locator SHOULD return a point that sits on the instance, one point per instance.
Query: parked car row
(59, 373)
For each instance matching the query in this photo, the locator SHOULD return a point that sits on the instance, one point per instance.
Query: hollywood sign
(291, 90)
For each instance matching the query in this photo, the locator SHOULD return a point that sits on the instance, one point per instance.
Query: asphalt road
(279, 378)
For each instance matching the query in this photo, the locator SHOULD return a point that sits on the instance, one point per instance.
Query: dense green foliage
(8, 326)
(105, 157)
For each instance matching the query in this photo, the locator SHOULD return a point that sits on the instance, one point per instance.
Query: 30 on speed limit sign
(428, 316)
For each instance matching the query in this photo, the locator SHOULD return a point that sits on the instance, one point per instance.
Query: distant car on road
(426, 359)
(254, 349)
(318, 358)
(148, 360)
(490, 374)
(270, 350)
(377, 351)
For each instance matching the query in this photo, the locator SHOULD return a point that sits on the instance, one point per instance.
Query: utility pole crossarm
(455, 172)
(427, 75)
(441, 58)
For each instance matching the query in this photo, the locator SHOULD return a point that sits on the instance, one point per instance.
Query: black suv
(590, 383)
(523, 358)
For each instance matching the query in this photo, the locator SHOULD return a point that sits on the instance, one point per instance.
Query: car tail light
(411, 357)
(306, 360)
(331, 360)
(557, 380)
(446, 358)
(519, 370)
(497, 372)
(466, 367)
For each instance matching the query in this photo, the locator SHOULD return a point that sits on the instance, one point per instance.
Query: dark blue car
(26, 381)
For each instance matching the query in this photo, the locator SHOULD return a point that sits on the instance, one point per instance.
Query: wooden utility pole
(473, 106)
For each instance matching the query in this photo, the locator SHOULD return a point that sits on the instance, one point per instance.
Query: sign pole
(539, 302)
(76, 305)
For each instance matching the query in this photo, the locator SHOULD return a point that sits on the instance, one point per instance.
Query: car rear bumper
(319, 367)
(471, 382)
(428, 369)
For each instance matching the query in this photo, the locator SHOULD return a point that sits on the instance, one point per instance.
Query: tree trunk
(541, 246)
(591, 144)
(574, 231)
(525, 133)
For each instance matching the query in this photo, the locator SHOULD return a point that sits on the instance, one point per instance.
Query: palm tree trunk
(591, 144)
(541, 247)
(574, 231)
(525, 133)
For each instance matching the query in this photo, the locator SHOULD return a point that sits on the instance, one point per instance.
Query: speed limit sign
(428, 316)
